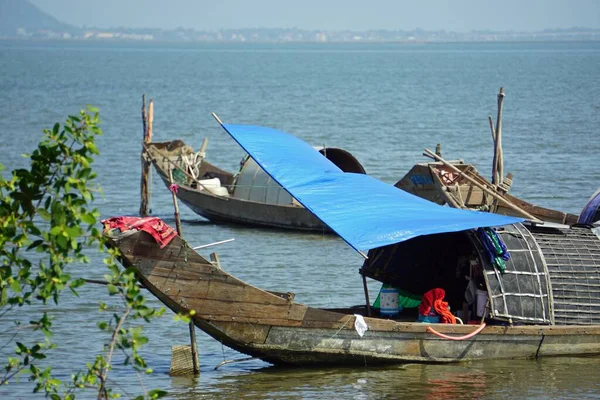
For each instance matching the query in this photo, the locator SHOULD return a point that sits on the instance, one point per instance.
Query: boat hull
(431, 181)
(228, 209)
(271, 326)
(232, 210)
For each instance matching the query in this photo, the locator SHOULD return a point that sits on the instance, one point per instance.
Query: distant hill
(20, 18)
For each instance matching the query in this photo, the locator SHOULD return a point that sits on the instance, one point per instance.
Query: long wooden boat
(545, 304)
(541, 300)
(249, 196)
(437, 182)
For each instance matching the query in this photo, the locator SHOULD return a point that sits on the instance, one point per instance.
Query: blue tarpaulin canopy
(362, 210)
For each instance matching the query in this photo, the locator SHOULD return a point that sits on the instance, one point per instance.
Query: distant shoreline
(274, 42)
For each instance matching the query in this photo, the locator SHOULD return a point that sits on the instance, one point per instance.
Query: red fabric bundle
(155, 226)
(435, 298)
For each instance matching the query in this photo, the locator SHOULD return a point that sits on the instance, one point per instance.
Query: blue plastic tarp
(362, 210)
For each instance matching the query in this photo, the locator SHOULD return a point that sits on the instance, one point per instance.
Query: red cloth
(435, 298)
(155, 226)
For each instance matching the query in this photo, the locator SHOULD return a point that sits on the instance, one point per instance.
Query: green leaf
(22, 348)
(88, 219)
(91, 147)
(157, 394)
(15, 286)
(112, 289)
(74, 231)
(35, 244)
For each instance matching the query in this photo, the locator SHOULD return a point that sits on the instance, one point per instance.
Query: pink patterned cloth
(155, 226)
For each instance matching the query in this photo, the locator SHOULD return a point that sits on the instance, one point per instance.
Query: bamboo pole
(213, 244)
(483, 187)
(144, 116)
(214, 258)
(494, 205)
(145, 179)
(177, 219)
(191, 325)
(150, 119)
(492, 129)
(203, 147)
(216, 117)
(368, 302)
(498, 157)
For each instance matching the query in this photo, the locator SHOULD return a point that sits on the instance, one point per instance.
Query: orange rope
(470, 335)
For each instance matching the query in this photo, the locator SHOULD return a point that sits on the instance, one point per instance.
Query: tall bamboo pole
(192, 328)
(498, 157)
(145, 180)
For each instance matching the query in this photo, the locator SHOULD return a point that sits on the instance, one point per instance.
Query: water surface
(384, 103)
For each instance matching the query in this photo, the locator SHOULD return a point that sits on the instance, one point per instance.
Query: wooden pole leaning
(483, 187)
(367, 301)
(150, 119)
(192, 328)
(498, 156)
(216, 117)
(145, 179)
(492, 129)
(494, 205)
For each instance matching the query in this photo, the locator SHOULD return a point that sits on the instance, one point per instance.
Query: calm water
(383, 103)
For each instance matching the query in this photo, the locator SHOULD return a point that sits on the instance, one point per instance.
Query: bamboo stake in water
(145, 179)
(177, 219)
(498, 164)
(191, 326)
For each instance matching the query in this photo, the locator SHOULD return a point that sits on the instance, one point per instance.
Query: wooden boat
(546, 303)
(249, 196)
(543, 302)
(460, 185)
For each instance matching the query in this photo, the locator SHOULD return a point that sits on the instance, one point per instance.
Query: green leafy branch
(47, 221)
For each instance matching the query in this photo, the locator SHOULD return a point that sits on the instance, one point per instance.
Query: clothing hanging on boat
(435, 299)
(494, 247)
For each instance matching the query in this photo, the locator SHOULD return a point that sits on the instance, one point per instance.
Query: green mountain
(20, 18)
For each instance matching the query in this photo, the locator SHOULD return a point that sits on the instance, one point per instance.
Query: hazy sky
(455, 15)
